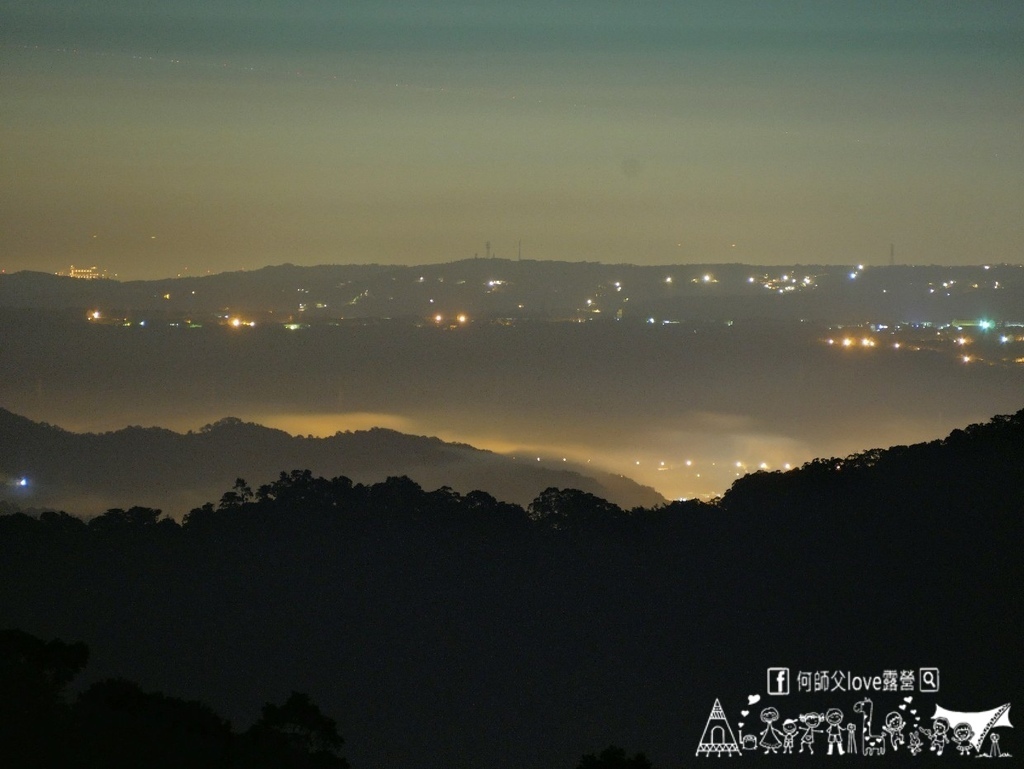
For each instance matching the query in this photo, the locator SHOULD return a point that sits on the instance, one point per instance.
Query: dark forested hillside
(449, 630)
(87, 473)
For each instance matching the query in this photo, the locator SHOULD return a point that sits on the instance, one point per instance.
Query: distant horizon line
(115, 277)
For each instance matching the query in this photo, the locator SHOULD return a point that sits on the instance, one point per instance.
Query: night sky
(186, 137)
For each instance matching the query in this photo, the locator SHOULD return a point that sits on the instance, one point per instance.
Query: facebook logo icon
(778, 681)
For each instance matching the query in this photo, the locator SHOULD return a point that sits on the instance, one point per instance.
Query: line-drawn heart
(744, 713)
(908, 699)
(741, 724)
(914, 712)
(903, 706)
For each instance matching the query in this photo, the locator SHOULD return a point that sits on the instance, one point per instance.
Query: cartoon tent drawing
(718, 737)
(982, 721)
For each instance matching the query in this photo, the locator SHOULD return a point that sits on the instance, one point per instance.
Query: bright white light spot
(23, 482)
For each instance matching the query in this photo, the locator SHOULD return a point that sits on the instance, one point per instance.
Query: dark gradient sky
(151, 138)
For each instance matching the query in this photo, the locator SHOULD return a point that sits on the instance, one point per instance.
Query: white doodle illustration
(770, 736)
(914, 743)
(962, 735)
(981, 722)
(811, 722)
(851, 739)
(789, 728)
(718, 736)
(938, 734)
(834, 719)
(874, 744)
(894, 728)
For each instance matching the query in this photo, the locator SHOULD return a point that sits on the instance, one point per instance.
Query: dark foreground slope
(88, 473)
(442, 630)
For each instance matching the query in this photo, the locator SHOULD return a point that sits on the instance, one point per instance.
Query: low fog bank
(641, 401)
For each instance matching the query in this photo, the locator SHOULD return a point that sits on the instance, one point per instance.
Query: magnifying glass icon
(929, 680)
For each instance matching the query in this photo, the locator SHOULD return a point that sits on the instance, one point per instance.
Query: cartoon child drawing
(834, 718)
(937, 734)
(770, 736)
(914, 743)
(811, 722)
(788, 735)
(962, 736)
(894, 728)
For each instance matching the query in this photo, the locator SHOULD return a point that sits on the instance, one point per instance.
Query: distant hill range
(88, 473)
(500, 288)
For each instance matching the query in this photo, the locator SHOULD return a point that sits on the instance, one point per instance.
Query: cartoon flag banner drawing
(981, 722)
